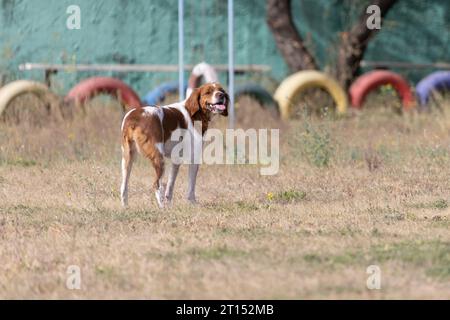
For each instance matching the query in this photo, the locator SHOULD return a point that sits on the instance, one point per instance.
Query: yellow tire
(298, 82)
(19, 87)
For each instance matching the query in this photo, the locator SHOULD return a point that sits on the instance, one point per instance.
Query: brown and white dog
(148, 130)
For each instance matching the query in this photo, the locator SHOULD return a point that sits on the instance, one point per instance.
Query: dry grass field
(367, 189)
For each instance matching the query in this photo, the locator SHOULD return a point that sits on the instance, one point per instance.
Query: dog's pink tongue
(220, 106)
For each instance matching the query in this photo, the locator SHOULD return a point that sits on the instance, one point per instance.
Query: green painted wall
(145, 32)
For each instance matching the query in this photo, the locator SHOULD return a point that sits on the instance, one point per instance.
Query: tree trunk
(354, 43)
(287, 38)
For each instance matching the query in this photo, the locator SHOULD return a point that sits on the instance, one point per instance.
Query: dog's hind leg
(128, 155)
(152, 147)
(158, 164)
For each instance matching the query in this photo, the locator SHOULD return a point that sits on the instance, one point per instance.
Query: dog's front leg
(193, 170)
(171, 182)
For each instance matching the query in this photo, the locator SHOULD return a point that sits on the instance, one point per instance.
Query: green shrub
(316, 145)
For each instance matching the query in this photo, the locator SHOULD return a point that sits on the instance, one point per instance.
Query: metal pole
(139, 67)
(181, 49)
(231, 62)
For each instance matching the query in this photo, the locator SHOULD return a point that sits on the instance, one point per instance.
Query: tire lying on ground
(439, 80)
(158, 94)
(256, 92)
(302, 80)
(91, 87)
(16, 88)
(374, 79)
(201, 70)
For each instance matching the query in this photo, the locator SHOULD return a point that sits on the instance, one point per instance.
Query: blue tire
(256, 92)
(158, 94)
(439, 80)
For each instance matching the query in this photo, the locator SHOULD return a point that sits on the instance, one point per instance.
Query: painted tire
(256, 92)
(91, 87)
(298, 82)
(201, 70)
(374, 79)
(19, 87)
(158, 95)
(439, 80)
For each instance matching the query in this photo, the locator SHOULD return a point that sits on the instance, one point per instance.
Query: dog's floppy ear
(193, 102)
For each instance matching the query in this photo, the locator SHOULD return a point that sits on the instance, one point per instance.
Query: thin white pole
(231, 61)
(148, 67)
(181, 48)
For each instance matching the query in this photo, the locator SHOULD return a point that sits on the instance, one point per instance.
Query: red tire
(91, 87)
(374, 79)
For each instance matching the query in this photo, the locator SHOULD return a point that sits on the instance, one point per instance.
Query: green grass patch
(286, 196)
(216, 253)
(237, 206)
(438, 154)
(390, 214)
(130, 215)
(21, 209)
(432, 256)
(438, 204)
(19, 162)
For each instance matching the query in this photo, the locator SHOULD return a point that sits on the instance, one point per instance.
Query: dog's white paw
(168, 201)
(193, 201)
(160, 196)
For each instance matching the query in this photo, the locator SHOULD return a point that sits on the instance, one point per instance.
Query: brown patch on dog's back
(144, 129)
(173, 119)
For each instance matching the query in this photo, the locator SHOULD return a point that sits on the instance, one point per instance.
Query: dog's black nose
(220, 95)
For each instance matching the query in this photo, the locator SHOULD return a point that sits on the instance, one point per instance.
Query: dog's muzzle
(218, 107)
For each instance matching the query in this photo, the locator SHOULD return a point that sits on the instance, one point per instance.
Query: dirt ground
(370, 188)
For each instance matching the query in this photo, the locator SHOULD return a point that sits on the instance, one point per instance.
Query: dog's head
(209, 98)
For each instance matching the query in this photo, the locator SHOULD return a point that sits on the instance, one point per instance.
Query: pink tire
(91, 87)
